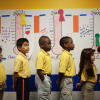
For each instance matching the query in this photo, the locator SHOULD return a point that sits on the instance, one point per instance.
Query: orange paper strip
(36, 24)
(75, 23)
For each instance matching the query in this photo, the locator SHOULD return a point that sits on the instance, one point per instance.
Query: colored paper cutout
(61, 18)
(5, 15)
(42, 15)
(19, 32)
(68, 15)
(0, 24)
(36, 24)
(97, 38)
(28, 15)
(57, 25)
(23, 22)
(27, 32)
(75, 23)
(3, 58)
(83, 14)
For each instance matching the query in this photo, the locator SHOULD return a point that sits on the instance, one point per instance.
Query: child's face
(92, 57)
(46, 45)
(25, 48)
(70, 45)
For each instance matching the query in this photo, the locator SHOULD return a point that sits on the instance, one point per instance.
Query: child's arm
(60, 78)
(41, 75)
(14, 80)
(79, 85)
(99, 80)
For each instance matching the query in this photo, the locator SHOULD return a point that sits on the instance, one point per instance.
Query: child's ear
(19, 48)
(65, 45)
(41, 45)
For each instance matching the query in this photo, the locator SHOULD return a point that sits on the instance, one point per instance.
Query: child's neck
(44, 50)
(67, 49)
(23, 53)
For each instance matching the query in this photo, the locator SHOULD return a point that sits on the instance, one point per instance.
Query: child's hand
(58, 83)
(78, 85)
(99, 81)
(13, 86)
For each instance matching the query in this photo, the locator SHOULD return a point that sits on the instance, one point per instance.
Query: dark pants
(22, 88)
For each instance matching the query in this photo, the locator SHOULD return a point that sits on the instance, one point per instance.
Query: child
(99, 52)
(66, 69)
(2, 77)
(87, 73)
(22, 71)
(44, 68)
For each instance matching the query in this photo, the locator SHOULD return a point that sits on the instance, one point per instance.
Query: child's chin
(27, 52)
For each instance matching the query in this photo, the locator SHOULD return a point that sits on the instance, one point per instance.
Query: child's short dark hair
(21, 41)
(42, 39)
(0, 51)
(98, 49)
(64, 40)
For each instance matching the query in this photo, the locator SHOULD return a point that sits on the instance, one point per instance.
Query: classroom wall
(45, 4)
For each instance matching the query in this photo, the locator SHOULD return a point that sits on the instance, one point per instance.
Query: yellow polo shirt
(2, 74)
(21, 65)
(84, 76)
(66, 64)
(43, 62)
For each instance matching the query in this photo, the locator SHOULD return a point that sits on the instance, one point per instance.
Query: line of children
(43, 66)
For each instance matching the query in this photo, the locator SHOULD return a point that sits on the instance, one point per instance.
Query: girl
(87, 73)
(99, 52)
(2, 77)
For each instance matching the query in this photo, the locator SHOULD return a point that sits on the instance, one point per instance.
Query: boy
(22, 71)
(66, 69)
(44, 68)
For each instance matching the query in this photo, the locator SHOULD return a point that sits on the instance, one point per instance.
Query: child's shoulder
(19, 57)
(41, 53)
(1, 64)
(64, 56)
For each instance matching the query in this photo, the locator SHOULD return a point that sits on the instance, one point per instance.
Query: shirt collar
(22, 55)
(45, 52)
(67, 52)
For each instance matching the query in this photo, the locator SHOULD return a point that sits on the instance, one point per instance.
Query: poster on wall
(12, 30)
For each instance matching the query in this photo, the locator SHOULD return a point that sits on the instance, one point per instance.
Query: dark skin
(46, 46)
(23, 49)
(15, 74)
(79, 85)
(67, 46)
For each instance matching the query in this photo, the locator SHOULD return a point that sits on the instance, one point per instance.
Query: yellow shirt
(84, 76)
(43, 62)
(2, 74)
(21, 65)
(66, 64)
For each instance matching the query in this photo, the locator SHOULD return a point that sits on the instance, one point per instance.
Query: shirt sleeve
(17, 65)
(39, 62)
(63, 65)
